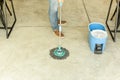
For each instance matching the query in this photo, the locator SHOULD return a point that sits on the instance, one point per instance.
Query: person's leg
(53, 14)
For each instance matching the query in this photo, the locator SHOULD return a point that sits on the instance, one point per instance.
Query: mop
(59, 52)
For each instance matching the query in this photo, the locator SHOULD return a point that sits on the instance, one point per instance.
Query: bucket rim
(96, 23)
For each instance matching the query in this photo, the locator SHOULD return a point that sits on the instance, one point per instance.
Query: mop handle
(60, 4)
(60, 27)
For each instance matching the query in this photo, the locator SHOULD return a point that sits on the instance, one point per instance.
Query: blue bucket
(97, 37)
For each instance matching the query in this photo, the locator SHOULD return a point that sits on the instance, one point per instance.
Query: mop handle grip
(60, 3)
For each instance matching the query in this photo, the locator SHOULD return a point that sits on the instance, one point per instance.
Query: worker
(53, 16)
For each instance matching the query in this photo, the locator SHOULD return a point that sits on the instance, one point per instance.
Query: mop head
(59, 53)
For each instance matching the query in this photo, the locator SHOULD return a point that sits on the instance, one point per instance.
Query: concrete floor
(25, 55)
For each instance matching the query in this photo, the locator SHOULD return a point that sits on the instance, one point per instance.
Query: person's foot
(62, 22)
(57, 33)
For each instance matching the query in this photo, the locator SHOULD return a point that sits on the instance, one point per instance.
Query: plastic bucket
(97, 36)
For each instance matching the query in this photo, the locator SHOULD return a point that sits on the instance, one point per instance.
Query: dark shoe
(62, 22)
(57, 33)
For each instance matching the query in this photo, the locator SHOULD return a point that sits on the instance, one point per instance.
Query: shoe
(62, 22)
(57, 33)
